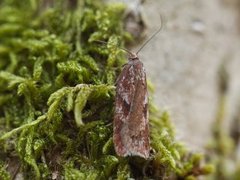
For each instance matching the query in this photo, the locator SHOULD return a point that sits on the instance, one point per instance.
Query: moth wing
(131, 131)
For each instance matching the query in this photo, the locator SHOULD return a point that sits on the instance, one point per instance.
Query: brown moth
(130, 125)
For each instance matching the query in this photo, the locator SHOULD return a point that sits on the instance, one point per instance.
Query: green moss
(4, 175)
(57, 94)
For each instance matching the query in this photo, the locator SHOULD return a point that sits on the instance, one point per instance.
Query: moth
(131, 124)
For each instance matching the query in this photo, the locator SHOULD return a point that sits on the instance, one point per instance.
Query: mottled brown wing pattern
(131, 131)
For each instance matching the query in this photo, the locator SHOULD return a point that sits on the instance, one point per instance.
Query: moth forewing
(131, 127)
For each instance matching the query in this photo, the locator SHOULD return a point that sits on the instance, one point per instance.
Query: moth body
(131, 127)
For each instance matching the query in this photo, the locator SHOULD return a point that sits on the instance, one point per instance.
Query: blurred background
(193, 63)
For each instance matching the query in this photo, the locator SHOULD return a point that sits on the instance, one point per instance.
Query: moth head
(132, 56)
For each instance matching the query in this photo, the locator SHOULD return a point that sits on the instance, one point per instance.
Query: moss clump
(57, 94)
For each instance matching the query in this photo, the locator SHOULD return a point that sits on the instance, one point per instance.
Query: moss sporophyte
(57, 91)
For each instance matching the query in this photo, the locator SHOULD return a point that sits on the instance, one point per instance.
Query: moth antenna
(105, 43)
(147, 41)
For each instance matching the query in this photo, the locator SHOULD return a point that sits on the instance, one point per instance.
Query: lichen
(57, 96)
